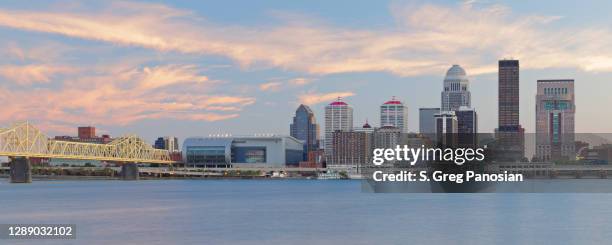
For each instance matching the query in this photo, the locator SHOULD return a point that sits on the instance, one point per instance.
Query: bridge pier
(21, 170)
(129, 171)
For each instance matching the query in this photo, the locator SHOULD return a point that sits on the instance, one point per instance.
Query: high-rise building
(510, 134)
(446, 128)
(306, 129)
(169, 143)
(555, 110)
(338, 117)
(467, 126)
(87, 132)
(427, 121)
(160, 143)
(394, 113)
(351, 148)
(508, 93)
(456, 91)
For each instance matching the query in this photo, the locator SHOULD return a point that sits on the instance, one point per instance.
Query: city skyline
(189, 69)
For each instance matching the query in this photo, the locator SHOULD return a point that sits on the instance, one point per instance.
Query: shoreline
(84, 178)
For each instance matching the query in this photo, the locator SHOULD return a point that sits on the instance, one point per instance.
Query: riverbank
(114, 173)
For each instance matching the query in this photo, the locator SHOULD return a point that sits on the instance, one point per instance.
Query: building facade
(244, 151)
(510, 135)
(306, 129)
(456, 91)
(555, 111)
(338, 117)
(446, 128)
(351, 148)
(467, 126)
(387, 137)
(427, 121)
(86, 132)
(160, 143)
(169, 143)
(394, 113)
(508, 93)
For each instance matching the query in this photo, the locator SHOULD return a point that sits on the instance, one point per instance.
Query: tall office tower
(427, 121)
(338, 117)
(446, 128)
(510, 134)
(555, 110)
(394, 113)
(87, 132)
(467, 126)
(508, 93)
(306, 129)
(352, 148)
(456, 89)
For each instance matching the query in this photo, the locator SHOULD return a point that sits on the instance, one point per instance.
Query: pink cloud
(29, 74)
(160, 76)
(120, 97)
(270, 86)
(424, 40)
(300, 81)
(316, 98)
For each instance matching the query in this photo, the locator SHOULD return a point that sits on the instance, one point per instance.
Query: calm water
(299, 212)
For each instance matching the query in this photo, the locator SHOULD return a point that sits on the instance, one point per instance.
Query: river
(299, 212)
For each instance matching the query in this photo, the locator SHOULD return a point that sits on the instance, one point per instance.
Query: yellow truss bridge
(25, 140)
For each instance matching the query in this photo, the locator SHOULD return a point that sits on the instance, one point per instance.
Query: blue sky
(190, 68)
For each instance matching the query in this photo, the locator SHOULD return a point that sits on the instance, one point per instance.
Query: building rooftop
(393, 101)
(366, 125)
(456, 72)
(555, 80)
(338, 102)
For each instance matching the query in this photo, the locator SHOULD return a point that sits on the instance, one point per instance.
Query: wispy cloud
(160, 76)
(270, 86)
(29, 74)
(425, 40)
(114, 96)
(300, 81)
(316, 98)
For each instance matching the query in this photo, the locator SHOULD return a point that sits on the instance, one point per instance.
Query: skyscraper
(456, 91)
(306, 129)
(394, 113)
(427, 121)
(555, 110)
(338, 117)
(508, 93)
(510, 134)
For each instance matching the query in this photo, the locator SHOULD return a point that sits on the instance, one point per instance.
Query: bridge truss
(25, 140)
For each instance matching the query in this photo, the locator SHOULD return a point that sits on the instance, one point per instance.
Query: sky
(194, 68)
